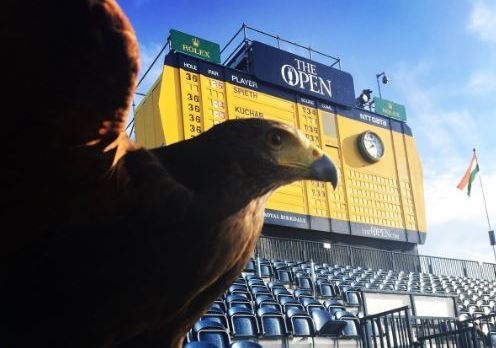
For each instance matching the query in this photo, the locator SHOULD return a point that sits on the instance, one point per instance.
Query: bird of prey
(110, 244)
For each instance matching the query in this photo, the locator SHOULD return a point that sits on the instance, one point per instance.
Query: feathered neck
(216, 177)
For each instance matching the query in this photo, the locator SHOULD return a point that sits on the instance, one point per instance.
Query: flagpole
(483, 194)
(485, 203)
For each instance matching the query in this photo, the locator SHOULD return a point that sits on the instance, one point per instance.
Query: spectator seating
(277, 301)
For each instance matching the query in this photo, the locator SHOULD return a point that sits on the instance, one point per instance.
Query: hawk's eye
(274, 138)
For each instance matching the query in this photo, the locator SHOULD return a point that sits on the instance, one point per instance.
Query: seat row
(254, 310)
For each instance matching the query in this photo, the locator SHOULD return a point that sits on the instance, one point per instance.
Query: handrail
(381, 314)
(246, 28)
(298, 249)
(388, 329)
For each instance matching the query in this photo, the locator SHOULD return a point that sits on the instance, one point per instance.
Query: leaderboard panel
(245, 98)
(148, 120)
(376, 200)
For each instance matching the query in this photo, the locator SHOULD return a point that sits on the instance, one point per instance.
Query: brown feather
(110, 244)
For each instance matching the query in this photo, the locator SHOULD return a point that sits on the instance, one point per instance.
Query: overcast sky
(440, 57)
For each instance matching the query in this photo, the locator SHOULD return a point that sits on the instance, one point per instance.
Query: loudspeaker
(492, 240)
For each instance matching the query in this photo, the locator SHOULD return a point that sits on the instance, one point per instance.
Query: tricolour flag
(469, 176)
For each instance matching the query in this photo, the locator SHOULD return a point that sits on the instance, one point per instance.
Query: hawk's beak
(323, 169)
(308, 160)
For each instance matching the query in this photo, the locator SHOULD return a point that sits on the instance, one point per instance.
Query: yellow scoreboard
(380, 193)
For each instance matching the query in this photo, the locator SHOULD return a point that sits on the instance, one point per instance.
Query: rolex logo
(196, 42)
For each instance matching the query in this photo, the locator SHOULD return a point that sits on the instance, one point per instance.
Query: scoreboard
(377, 197)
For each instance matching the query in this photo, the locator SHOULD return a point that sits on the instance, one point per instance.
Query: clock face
(370, 146)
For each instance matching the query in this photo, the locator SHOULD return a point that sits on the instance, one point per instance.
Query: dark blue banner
(371, 118)
(301, 74)
(189, 63)
(212, 70)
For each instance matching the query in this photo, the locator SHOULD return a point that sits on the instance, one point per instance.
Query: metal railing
(297, 249)
(450, 332)
(461, 338)
(397, 328)
(390, 329)
(246, 33)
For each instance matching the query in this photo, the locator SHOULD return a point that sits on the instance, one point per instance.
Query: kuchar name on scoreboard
(247, 112)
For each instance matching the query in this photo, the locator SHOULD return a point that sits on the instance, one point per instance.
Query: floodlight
(384, 80)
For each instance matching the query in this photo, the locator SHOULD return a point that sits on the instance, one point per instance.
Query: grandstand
(332, 268)
(280, 302)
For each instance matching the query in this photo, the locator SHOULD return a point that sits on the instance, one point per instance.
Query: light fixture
(384, 80)
(364, 98)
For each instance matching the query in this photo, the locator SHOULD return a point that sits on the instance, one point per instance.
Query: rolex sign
(194, 46)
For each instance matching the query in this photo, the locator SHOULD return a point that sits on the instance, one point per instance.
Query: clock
(370, 146)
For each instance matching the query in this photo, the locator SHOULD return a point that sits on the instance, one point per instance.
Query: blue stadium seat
(237, 287)
(343, 314)
(267, 301)
(299, 293)
(218, 317)
(324, 289)
(238, 300)
(278, 262)
(239, 296)
(250, 266)
(243, 323)
(325, 325)
(386, 287)
(240, 280)
(264, 297)
(272, 323)
(333, 302)
(335, 308)
(303, 282)
(352, 298)
(276, 290)
(196, 344)
(245, 344)
(259, 289)
(212, 332)
(266, 270)
(283, 274)
(235, 290)
(352, 327)
(309, 303)
(289, 302)
(276, 284)
(254, 280)
(217, 307)
(300, 323)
